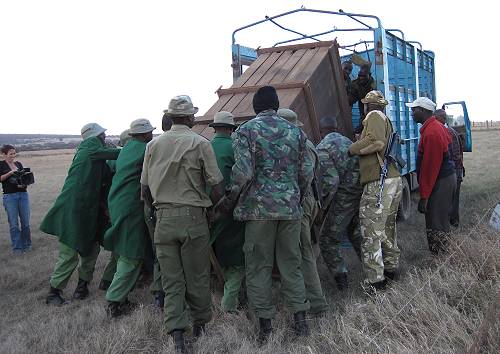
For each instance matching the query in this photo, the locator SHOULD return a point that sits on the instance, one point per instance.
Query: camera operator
(15, 201)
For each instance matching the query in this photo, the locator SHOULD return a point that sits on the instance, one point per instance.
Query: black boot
(198, 330)
(113, 310)
(392, 275)
(104, 284)
(54, 297)
(265, 330)
(180, 345)
(116, 309)
(81, 291)
(374, 287)
(301, 327)
(342, 282)
(160, 299)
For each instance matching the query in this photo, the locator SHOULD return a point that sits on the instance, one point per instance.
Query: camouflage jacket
(272, 169)
(339, 171)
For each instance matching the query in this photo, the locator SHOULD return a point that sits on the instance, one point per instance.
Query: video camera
(22, 177)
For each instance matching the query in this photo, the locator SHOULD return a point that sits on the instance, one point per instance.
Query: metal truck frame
(403, 71)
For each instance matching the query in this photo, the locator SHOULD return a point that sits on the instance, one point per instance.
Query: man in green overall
(228, 234)
(110, 269)
(127, 236)
(77, 216)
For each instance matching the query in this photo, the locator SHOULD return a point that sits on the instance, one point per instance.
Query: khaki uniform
(178, 166)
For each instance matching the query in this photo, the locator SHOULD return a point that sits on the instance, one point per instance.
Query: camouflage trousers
(379, 247)
(342, 218)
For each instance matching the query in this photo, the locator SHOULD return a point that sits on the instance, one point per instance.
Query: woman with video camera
(15, 200)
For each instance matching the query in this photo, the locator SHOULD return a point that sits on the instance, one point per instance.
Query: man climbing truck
(307, 74)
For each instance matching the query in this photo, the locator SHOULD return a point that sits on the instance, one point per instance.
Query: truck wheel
(405, 210)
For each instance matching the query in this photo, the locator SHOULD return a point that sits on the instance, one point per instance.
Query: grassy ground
(438, 305)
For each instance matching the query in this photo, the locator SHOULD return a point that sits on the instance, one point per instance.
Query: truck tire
(405, 205)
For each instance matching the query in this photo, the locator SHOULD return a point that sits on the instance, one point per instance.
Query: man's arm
(329, 176)
(375, 131)
(146, 196)
(105, 153)
(211, 172)
(430, 165)
(306, 166)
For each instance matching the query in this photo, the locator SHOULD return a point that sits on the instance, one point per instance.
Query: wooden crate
(308, 79)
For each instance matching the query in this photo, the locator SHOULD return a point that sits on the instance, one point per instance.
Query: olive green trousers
(264, 239)
(182, 248)
(67, 261)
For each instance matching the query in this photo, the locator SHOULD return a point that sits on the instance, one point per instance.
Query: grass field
(440, 305)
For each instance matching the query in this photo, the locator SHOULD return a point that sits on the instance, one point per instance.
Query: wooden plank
(254, 79)
(295, 47)
(250, 89)
(246, 106)
(247, 74)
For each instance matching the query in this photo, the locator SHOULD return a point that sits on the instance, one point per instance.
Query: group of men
(259, 194)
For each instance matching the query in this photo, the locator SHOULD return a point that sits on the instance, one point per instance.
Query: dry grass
(437, 306)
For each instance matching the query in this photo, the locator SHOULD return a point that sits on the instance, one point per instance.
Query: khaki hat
(375, 97)
(124, 138)
(91, 129)
(140, 126)
(223, 119)
(290, 116)
(423, 102)
(181, 106)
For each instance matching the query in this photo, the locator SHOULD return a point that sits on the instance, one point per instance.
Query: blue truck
(402, 71)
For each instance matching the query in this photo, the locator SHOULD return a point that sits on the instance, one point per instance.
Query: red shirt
(434, 142)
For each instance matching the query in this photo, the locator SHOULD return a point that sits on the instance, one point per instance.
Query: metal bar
(322, 34)
(397, 30)
(350, 15)
(416, 42)
(290, 30)
(355, 19)
(295, 47)
(248, 89)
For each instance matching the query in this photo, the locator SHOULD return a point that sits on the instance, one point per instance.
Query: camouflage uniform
(272, 171)
(343, 214)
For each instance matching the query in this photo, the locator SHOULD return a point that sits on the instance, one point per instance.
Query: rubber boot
(180, 345)
(104, 284)
(116, 309)
(54, 297)
(342, 282)
(372, 288)
(198, 330)
(81, 291)
(265, 330)
(160, 299)
(301, 327)
(392, 275)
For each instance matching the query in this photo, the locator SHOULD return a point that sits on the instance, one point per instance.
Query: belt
(180, 211)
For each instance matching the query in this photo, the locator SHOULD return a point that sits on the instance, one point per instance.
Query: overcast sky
(66, 63)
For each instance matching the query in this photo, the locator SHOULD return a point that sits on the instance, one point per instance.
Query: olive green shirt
(376, 127)
(178, 167)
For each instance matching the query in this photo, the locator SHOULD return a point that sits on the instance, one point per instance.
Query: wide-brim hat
(91, 129)
(181, 106)
(290, 116)
(223, 119)
(375, 97)
(422, 102)
(124, 137)
(140, 126)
